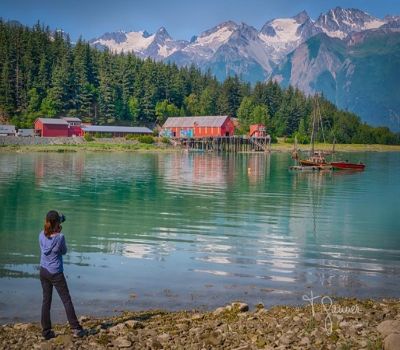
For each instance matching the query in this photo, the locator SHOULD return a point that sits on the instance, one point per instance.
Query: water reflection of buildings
(8, 167)
(200, 171)
(68, 166)
(258, 167)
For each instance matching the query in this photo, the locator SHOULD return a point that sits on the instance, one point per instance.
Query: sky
(181, 18)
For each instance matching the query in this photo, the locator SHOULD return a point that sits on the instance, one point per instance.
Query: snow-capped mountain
(340, 22)
(283, 35)
(266, 47)
(244, 54)
(203, 47)
(157, 46)
(228, 49)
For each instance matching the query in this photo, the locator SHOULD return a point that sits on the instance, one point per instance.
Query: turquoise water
(182, 231)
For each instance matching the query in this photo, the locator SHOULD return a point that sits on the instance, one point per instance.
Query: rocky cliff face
(359, 74)
(339, 22)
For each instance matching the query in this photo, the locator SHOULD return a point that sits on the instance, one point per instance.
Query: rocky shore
(342, 324)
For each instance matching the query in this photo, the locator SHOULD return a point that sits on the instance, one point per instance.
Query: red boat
(346, 165)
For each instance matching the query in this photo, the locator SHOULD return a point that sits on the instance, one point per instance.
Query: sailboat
(316, 157)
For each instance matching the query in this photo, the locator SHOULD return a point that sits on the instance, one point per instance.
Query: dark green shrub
(88, 137)
(146, 139)
(131, 137)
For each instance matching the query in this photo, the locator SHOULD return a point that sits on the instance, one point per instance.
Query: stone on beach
(242, 307)
(392, 342)
(389, 326)
(122, 342)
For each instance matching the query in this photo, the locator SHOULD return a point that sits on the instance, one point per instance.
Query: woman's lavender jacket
(52, 249)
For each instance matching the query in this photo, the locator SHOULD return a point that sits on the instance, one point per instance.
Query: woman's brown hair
(52, 223)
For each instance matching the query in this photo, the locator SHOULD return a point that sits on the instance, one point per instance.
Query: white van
(7, 130)
(26, 132)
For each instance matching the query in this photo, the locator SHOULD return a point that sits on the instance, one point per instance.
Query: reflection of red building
(73, 165)
(54, 127)
(198, 127)
(256, 167)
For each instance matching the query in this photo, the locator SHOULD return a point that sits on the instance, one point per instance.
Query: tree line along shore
(345, 324)
(42, 74)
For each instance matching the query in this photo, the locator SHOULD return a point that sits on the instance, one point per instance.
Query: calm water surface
(188, 231)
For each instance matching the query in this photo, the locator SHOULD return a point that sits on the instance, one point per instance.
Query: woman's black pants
(57, 280)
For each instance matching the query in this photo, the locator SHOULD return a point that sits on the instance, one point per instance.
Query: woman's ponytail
(52, 223)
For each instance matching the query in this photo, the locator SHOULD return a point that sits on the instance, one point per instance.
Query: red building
(257, 130)
(54, 127)
(198, 127)
(74, 126)
(51, 127)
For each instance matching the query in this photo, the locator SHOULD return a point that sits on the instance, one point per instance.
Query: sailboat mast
(313, 127)
(295, 151)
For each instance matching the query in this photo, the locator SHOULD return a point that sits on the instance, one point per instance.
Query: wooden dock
(234, 144)
(326, 167)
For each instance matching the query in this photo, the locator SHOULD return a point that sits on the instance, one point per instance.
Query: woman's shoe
(49, 335)
(79, 333)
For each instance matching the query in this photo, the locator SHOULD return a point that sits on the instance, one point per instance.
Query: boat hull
(306, 162)
(325, 167)
(348, 166)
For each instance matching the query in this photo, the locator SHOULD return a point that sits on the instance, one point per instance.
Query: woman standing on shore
(53, 247)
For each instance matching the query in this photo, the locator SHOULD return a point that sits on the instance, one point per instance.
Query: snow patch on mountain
(134, 42)
(339, 22)
(283, 35)
(205, 45)
(157, 46)
(285, 30)
(214, 40)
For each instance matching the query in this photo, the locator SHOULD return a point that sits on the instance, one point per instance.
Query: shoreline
(343, 323)
(160, 147)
